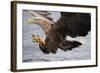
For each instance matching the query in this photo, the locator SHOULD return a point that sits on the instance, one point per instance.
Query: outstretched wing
(75, 24)
(45, 14)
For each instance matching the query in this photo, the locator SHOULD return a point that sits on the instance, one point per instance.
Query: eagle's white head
(37, 20)
(44, 23)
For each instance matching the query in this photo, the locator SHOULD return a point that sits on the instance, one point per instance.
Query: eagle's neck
(45, 25)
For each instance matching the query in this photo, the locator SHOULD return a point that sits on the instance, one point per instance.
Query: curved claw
(38, 39)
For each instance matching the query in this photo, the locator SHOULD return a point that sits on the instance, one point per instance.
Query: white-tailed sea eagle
(69, 24)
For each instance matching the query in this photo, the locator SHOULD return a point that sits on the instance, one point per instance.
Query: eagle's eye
(34, 19)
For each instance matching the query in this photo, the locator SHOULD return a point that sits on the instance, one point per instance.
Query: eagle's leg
(69, 45)
(51, 47)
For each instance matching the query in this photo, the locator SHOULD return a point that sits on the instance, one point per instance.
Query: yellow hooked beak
(30, 20)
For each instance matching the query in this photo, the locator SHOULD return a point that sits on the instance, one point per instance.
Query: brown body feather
(69, 24)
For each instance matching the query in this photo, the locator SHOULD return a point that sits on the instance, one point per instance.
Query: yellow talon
(38, 39)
